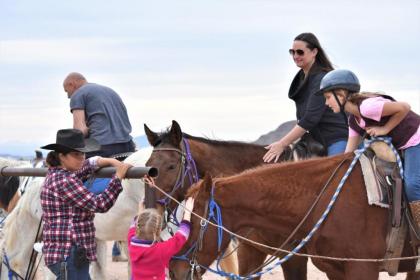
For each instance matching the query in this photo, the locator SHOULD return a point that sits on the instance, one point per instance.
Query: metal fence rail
(106, 172)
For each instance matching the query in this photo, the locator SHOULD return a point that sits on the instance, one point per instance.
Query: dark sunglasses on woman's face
(298, 52)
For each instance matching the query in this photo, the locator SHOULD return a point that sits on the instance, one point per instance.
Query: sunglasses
(299, 52)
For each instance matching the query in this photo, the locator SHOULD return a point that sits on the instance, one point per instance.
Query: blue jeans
(73, 273)
(337, 148)
(115, 249)
(412, 173)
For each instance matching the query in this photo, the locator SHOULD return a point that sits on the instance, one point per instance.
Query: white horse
(22, 223)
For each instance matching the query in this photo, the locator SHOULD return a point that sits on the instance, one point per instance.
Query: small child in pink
(148, 255)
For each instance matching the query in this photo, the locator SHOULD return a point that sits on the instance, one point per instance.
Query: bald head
(72, 82)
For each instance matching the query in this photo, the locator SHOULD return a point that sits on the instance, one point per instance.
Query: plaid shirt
(68, 211)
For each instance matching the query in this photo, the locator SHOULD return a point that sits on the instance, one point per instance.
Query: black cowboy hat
(72, 140)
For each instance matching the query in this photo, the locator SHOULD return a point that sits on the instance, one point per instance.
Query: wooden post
(149, 196)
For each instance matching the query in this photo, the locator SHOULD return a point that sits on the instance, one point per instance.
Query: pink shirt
(372, 108)
(150, 261)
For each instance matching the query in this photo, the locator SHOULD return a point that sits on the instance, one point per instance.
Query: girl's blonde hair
(357, 98)
(149, 225)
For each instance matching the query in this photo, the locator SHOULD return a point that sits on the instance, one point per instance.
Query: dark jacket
(311, 112)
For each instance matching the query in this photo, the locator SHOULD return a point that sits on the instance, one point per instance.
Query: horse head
(206, 242)
(169, 157)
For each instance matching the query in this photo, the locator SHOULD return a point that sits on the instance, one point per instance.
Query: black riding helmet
(339, 79)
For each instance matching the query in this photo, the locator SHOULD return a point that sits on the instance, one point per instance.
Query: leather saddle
(388, 178)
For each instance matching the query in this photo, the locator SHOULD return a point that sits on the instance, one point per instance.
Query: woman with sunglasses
(312, 114)
(69, 208)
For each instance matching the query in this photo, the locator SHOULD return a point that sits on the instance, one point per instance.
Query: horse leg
(361, 271)
(124, 248)
(250, 259)
(413, 276)
(230, 262)
(334, 270)
(98, 268)
(296, 268)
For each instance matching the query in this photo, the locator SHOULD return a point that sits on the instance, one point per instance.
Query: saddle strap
(395, 245)
(396, 205)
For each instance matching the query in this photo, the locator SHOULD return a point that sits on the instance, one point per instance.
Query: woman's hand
(122, 169)
(274, 151)
(377, 130)
(189, 206)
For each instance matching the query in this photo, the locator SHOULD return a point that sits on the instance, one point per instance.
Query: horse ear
(152, 137)
(207, 182)
(176, 133)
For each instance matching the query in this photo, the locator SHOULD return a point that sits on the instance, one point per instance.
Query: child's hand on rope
(189, 206)
(149, 180)
(141, 206)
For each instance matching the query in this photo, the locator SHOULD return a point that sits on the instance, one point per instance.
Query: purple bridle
(187, 168)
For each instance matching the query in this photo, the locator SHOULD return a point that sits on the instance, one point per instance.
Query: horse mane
(194, 189)
(10, 184)
(165, 137)
(216, 142)
(287, 165)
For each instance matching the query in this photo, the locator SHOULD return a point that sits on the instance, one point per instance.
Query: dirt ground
(118, 271)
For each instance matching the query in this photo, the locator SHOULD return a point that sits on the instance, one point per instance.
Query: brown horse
(275, 198)
(219, 158)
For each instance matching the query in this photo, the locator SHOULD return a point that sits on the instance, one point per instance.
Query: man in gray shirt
(99, 113)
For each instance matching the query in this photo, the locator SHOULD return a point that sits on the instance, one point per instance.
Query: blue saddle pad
(98, 185)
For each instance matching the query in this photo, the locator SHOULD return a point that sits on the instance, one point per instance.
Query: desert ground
(118, 271)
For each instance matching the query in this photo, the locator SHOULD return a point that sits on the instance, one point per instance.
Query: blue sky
(220, 68)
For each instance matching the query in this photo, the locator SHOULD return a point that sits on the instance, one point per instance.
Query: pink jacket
(150, 261)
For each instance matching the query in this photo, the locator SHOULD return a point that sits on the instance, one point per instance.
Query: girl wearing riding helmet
(376, 115)
(312, 114)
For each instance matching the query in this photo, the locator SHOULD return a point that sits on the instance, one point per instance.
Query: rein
(31, 269)
(273, 257)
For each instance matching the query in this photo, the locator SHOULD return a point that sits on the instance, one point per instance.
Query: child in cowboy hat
(69, 208)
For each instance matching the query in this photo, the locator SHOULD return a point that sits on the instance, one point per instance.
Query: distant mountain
(141, 141)
(276, 134)
(23, 150)
(19, 150)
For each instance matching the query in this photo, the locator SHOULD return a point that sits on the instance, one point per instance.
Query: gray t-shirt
(105, 113)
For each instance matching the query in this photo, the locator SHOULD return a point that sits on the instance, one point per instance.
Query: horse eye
(171, 167)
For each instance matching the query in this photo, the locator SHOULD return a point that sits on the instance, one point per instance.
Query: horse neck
(18, 247)
(225, 159)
